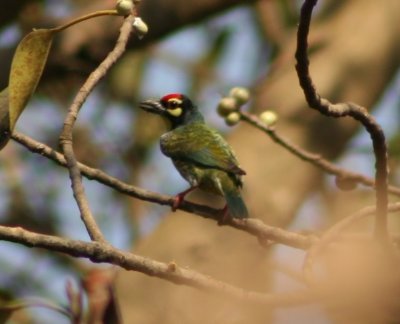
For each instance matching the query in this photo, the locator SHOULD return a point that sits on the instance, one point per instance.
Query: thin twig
(104, 253)
(253, 226)
(66, 141)
(314, 158)
(100, 13)
(341, 110)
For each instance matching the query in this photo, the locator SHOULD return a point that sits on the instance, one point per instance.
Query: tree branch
(99, 252)
(103, 252)
(314, 158)
(341, 110)
(66, 140)
(254, 227)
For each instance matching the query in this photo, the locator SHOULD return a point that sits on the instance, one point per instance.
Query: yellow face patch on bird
(175, 112)
(174, 107)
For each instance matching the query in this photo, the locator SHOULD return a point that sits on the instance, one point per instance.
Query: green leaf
(26, 70)
(5, 131)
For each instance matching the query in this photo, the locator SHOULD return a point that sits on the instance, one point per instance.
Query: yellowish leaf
(26, 70)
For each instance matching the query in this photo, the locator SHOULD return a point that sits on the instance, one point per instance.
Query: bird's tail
(236, 206)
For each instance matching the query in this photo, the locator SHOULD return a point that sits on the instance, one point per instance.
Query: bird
(199, 153)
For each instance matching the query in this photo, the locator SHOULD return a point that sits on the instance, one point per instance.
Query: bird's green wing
(201, 145)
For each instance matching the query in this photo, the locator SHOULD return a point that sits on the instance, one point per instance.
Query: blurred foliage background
(201, 49)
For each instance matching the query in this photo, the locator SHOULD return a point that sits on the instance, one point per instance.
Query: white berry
(232, 119)
(141, 27)
(240, 94)
(226, 106)
(124, 7)
(269, 117)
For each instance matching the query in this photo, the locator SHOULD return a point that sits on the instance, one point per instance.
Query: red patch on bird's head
(170, 96)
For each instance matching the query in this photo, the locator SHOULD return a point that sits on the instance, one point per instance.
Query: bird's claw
(179, 198)
(177, 201)
(225, 216)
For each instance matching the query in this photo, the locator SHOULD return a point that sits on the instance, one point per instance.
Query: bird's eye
(172, 104)
(174, 107)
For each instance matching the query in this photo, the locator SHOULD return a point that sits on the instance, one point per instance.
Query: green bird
(199, 153)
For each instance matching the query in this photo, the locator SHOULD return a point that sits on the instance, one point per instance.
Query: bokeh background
(201, 49)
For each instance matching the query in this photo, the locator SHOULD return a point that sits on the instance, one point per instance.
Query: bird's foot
(225, 216)
(179, 198)
(177, 201)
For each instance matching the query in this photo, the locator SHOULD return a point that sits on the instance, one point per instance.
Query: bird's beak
(152, 106)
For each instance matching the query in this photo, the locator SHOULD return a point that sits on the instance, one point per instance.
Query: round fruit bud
(240, 94)
(124, 7)
(140, 27)
(269, 117)
(345, 184)
(226, 106)
(232, 119)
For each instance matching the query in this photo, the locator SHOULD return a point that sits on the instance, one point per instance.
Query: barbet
(199, 153)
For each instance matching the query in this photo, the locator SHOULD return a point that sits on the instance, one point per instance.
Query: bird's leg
(179, 198)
